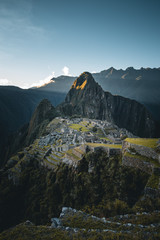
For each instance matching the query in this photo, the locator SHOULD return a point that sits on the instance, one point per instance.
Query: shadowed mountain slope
(16, 108)
(87, 98)
(142, 85)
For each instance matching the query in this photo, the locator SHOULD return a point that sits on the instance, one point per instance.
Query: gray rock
(28, 223)
(56, 222)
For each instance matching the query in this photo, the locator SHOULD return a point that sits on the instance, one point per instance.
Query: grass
(53, 159)
(107, 139)
(100, 132)
(22, 232)
(153, 181)
(105, 145)
(143, 158)
(79, 221)
(79, 150)
(78, 127)
(53, 122)
(144, 219)
(84, 123)
(51, 163)
(70, 153)
(146, 142)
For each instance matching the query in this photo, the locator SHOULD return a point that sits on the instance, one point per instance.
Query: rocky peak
(44, 113)
(41, 111)
(83, 80)
(86, 98)
(84, 88)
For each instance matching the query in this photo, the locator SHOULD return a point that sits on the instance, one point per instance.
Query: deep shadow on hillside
(16, 108)
(39, 193)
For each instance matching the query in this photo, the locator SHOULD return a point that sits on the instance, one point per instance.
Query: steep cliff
(42, 115)
(87, 98)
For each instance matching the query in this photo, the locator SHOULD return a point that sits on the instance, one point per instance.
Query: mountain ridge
(141, 85)
(87, 98)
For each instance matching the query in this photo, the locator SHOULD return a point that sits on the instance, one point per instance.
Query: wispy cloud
(42, 82)
(65, 71)
(5, 82)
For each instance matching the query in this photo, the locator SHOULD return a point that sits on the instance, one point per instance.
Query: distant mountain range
(142, 85)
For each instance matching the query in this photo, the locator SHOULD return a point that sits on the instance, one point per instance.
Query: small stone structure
(142, 150)
(137, 163)
(133, 158)
(144, 158)
(109, 150)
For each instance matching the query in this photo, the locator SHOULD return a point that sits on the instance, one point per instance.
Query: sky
(40, 39)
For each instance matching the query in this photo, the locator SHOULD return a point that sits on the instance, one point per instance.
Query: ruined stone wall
(142, 150)
(77, 153)
(134, 160)
(137, 163)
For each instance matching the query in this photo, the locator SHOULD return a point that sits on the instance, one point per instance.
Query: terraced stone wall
(142, 150)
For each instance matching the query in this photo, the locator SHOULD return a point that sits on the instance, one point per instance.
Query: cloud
(5, 82)
(43, 81)
(65, 71)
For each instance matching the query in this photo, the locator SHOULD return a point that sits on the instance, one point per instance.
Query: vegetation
(70, 153)
(153, 181)
(107, 139)
(40, 193)
(104, 145)
(25, 232)
(143, 158)
(78, 127)
(146, 142)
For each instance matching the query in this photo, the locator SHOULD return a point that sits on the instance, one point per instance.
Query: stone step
(54, 156)
(53, 160)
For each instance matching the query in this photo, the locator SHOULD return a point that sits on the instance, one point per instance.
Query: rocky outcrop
(142, 150)
(43, 114)
(138, 156)
(86, 98)
(74, 221)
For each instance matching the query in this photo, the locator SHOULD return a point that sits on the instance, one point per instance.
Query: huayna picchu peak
(87, 98)
(83, 80)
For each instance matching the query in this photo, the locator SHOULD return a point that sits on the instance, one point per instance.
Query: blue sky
(43, 38)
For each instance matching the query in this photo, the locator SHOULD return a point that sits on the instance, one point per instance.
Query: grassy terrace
(78, 127)
(146, 142)
(78, 221)
(143, 158)
(51, 163)
(70, 153)
(153, 182)
(23, 232)
(86, 124)
(53, 159)
(107, 139)
(104, 145)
